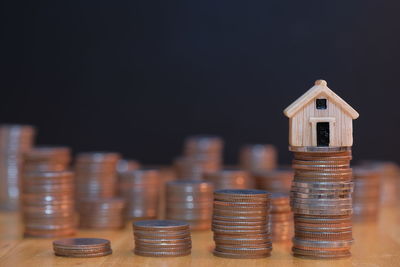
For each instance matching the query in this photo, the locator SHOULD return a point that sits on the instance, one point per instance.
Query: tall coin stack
(281, 217)
(162, 238)
(278, 180)
(322, 204)
(48, 207)
(258, 157)
(101, 213)
(366, 196)
(230, 179)
(15, 141)
(190, 201)
(140, 189)
(240, 224)
(202, 154)
(96, 175)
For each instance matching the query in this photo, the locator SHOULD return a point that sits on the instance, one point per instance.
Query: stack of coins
(230, 179)
(125, 165)
(100, 213)
(162, 238)
(140, 189)
(278, 180)
(281, 217)
(190, 201)
(15, 141)
(47, 159)
(202, 154)
(82, 247)
(48, 207)
(240, 224)
(366, 196)
(258, 157)
(322, 204)
(96, 175)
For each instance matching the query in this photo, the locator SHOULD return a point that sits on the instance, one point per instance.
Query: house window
(321, 103)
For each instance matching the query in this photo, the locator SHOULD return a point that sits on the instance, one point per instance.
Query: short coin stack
(322, 204)
(140, 189)
(47, 159)
(48, 206)
(230, 179)
(162, 238)
(15, 141)
(190, 201)
(278, 180)
(366, 196)
(258, 157)
(281, 218)
(202, 154)
(240, 224)
(101, 213)
(82, 247)
(96, 175)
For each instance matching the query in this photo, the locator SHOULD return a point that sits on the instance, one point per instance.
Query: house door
(322, 133)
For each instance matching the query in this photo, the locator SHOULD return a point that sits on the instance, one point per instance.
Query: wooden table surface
(376, 244)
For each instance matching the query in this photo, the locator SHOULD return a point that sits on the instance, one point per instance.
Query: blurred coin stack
(101, 213)
(366, 196)
(162, 238)
(322, 204)
(281, 217)
(96, 175)
(240, 224)
(278, 180)
(47, 159)
(15, 141)
(140, 190)
(125, 165)
(230, 179)
(258, 157)
(202, 154)
(190, 201)
(48, 207)
(82, 247)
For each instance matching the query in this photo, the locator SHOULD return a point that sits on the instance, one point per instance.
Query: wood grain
(376, 244)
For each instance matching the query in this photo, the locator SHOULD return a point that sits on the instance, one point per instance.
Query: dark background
(139, 76)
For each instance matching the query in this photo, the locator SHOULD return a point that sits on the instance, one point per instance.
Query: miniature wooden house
(320, 118)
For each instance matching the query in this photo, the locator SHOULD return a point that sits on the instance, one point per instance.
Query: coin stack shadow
(322, 204)
(190, 201)
(48, 204)
(366, 195)
(202, 154)
(140, 190)
(278, 180)
(82, 247)
(281, 217)
(258, 157)
(96, 188)
(240, 224)
(15, 141)
(162, 238)
(230, 178)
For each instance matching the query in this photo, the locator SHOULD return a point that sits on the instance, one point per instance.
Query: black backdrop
(139, 76)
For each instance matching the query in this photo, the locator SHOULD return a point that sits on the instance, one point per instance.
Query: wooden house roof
(319, 88)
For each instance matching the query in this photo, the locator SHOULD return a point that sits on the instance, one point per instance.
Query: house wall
(300, 127)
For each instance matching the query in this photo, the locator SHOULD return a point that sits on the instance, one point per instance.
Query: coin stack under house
(190, 201)
(230, 179)
(15, 141)
(162, 238)
(281, 217)
(202, 154)
(366, 195)
(240, 224)
(140, 190)
(48, 204)
(82, 247)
